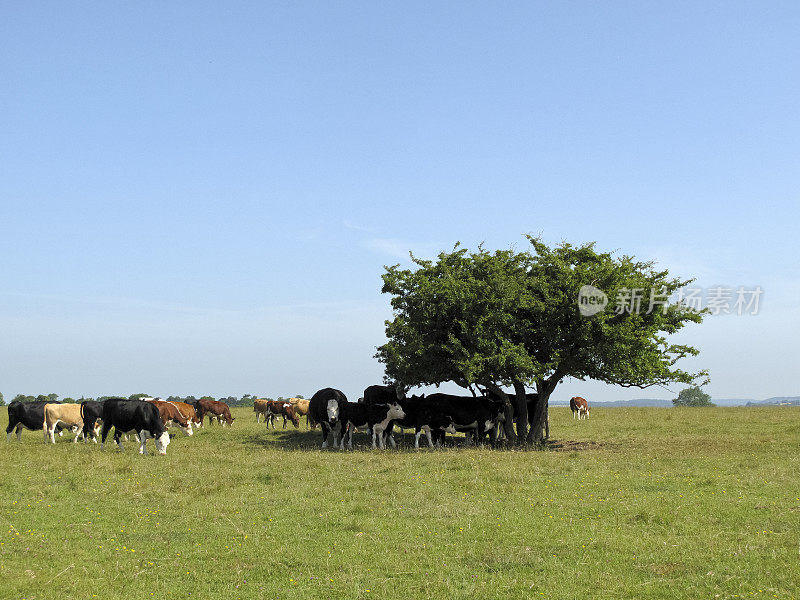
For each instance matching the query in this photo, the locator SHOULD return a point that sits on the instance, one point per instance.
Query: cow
(579, 407)
(214, 409)
(324, 408)
(475, 415)
(187, 411)
(66, 415)
(422, 418)
(171, 415)
(261, 407)
(137, 416)
(300, 406)
(29, 415)
(92, 417)
(279, 408)
(381, 394)
(376, 417)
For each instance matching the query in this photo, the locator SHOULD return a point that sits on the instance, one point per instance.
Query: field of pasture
(635, 503)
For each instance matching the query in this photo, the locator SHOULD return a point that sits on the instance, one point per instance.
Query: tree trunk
(544, 388)
(521, 406)
(508, 411)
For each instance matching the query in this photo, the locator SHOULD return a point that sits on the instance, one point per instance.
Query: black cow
(325, 407)
(29, 415)
(91, 412)
(422, 417)
(134, 415)
(381, 394)
(375, 417)
(474, 415)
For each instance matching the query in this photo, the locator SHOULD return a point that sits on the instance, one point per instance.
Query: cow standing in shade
(325, 408)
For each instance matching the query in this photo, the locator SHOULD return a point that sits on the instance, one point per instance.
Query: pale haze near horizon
(200, 200)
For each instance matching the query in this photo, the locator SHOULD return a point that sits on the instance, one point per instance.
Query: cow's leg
(118, 438)
(104, 435)
(143, 442)
(79, 434)
(10, 428)
(324, 426)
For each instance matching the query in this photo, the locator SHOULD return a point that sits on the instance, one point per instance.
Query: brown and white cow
(67, 415)
(172, 416)
(187, 411)
(281, 408)
(214, 409)
(579, 407)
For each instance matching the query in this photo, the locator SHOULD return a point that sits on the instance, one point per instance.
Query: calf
(29, 415)
(579, 407)
(214, 409)
(324, 408)
(170, 415)
(134, 415)
(68, 415)
(376, 417)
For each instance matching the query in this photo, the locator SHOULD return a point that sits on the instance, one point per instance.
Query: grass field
(635, 503)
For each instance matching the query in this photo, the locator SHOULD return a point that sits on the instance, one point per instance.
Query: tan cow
(579, 407)
(300, 406)
(68, 415)
(261, 407)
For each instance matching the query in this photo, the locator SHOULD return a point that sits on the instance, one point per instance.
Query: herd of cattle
(146, 418)
(381, 409)
(378, 413)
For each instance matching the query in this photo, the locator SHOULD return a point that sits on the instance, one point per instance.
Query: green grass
(635, 503)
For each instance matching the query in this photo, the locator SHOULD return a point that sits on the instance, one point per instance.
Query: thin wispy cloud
(400, 249)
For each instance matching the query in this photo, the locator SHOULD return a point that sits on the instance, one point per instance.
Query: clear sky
(199, 198)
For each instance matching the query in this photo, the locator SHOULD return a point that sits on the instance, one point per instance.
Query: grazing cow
(475, 415)
(29, 415)
(376, 417)
(300, 406)
(278, 408)
(579, 407)
(66, 415)
(187, 411)
(324, 408)
(214, 409)
(171, 416)
(137, 416)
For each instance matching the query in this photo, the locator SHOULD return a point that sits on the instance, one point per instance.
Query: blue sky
(199, 199)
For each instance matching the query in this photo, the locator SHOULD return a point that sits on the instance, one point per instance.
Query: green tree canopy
(693, 396)
(509, 318)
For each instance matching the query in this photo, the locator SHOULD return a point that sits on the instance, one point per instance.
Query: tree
(692, 396)
(2, 401)
(508, 318)
(138, 396)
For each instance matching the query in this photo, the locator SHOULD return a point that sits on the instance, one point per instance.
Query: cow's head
(333, 411)
(395, 411)
(187, 428)
(162, 442)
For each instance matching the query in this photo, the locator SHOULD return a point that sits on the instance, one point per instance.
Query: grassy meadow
(635, 503)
